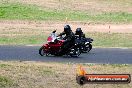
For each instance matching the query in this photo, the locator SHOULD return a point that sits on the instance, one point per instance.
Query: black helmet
(67, 29)
(78, 31)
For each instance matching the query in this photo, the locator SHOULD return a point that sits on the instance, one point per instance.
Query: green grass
(111, 39)
(23, 40)
(5, 82)
(4, 65)
(33, 12)
(100, 39)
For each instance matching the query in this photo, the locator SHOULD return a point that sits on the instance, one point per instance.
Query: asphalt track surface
(96, 55)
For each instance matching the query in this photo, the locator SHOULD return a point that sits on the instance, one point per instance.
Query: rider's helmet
(78, 31)
(67, 29)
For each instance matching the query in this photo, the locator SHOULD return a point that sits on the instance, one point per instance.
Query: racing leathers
(69, 41)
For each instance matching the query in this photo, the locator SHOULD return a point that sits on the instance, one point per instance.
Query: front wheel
(41, 51)
(88, 47)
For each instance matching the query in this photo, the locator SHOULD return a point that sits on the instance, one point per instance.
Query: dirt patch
(42, 27)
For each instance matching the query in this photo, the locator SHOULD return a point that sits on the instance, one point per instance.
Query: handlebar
(59, 37)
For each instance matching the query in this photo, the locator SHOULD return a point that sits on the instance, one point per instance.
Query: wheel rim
(78, 52)
(88, 48)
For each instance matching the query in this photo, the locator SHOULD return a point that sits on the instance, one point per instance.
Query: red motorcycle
(54, 44)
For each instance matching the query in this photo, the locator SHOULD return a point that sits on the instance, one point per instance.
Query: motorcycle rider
(69, 39)
(80, 33)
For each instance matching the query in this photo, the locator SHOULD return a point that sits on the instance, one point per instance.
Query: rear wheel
(41, 51)
(77, 52)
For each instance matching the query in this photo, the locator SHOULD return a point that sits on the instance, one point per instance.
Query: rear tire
(78, 52)
(41, 51)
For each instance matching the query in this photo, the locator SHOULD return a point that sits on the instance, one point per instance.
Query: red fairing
(46, 45)
(54, 47)
(49, 39)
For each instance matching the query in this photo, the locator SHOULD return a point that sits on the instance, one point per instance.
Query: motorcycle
(84, 43)
(54, 44)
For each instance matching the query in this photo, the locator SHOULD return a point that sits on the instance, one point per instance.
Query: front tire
(88, 48)
(41, 51)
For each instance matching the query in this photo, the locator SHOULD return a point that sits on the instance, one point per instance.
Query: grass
(30, 74)
(100, 39)
(5, 82)
(111, 39)
(19, 11)
(32, 12)
(91, 6)
(4, 66)
(23, 40)
(47, 71)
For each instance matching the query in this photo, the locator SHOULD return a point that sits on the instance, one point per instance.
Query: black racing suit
(69, 41)
(81, 35)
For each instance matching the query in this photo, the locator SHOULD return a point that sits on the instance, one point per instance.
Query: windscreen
(53, 37)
